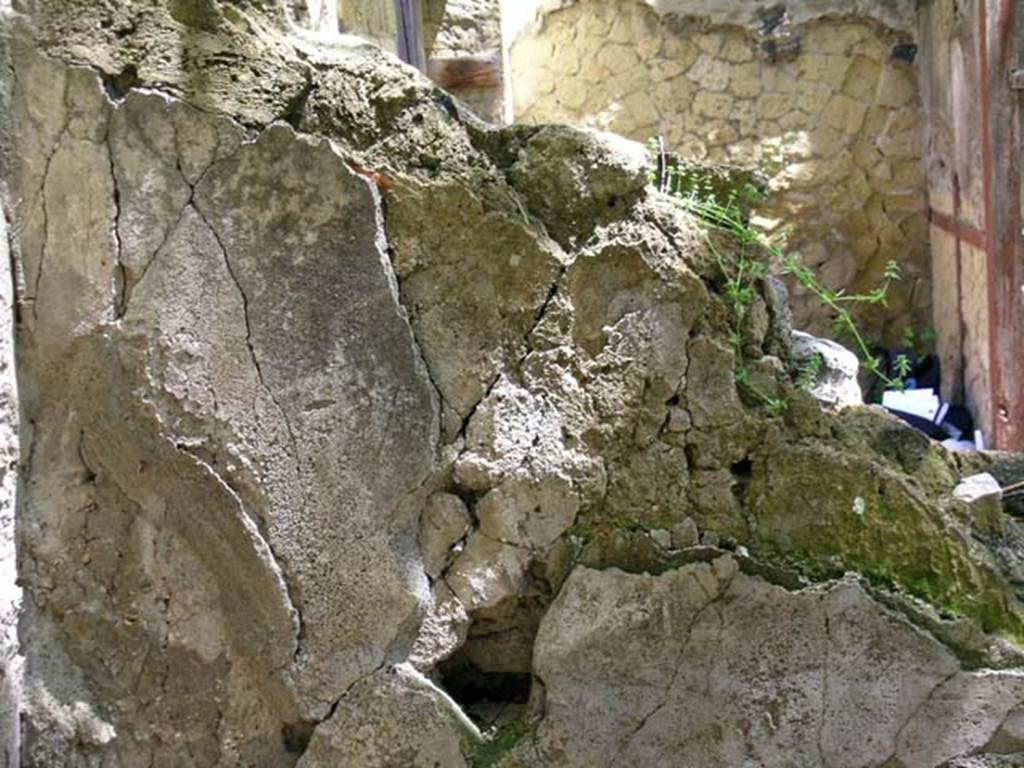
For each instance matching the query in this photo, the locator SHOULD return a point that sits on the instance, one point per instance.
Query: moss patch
(496, 747)
(823, 510)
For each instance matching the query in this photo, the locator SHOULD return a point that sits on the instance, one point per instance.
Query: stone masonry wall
(374, 21)
(832, 116)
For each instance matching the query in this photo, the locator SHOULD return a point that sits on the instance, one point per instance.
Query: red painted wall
(973, 164)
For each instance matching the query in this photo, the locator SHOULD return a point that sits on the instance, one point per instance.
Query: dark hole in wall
(742, 472)
(483, 694)
(904, 52)
(742, 469)
(296, 736)
(490, 676)
(295, 109)
(772, 18)
(117, 86)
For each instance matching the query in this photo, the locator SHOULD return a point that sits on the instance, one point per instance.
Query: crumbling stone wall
(350, 427)
(829, 108)
(374, 21)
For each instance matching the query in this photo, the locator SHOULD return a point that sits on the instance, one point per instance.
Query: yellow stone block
(862, 79)
(689, 121)
(545, 82)
(876, 213)
(858, 187)
(772, 106)
(710, 43)
(855, 224)
(710, 74)
(572, 93)
(529, 50)
(834, 38)
(898, 86)
(721, 135)
(621, 31)
(566, 61)
(881, 177)
(770, 130)
(794, 121)
(619, 86)
(900, 205)
(813, 96)
(641, 109)
(588, 47)
(546, 109)
(839, 169)
(692, 147)
(827, 69)
(826, 141)
(673, 95)
(713, 104)
(524, 96)
(746, 80)
(779, 78)
(744, 115)
(865, 247)
(906, 119)
(804, 175)
(819, 39)
(679, 51)
(915, 228)
(593, 26)
(844, 114)
(890, 239)
(648, 47)
(876, 120)
(871, 46)
(666, 69)
(618, 58)
(902, 146)
(866, 155)
(908, 174)
(743, 152)
(736, 50)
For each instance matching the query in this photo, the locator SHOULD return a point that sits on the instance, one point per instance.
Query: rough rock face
(355, 432)
(722, 669)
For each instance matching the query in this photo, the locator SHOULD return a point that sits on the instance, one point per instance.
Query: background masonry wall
(829, 108)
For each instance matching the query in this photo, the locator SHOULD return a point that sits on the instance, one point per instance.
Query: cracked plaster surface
(257, 353)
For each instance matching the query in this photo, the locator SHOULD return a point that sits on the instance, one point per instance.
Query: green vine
(752, 255)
